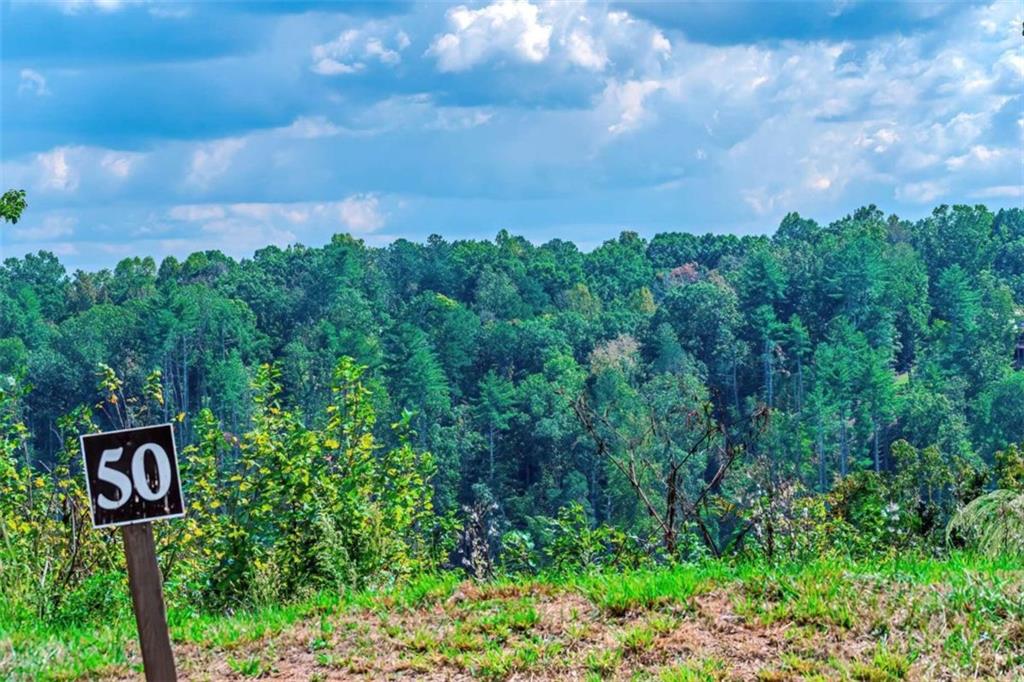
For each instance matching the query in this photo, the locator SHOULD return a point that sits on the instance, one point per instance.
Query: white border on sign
(88, 486)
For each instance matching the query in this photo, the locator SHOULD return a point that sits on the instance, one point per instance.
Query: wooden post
(148, 602)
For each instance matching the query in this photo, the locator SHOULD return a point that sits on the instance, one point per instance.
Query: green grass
(621, 593)
(703, 670)
(959, 616)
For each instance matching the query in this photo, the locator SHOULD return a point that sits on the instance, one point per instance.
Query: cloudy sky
(148, 128)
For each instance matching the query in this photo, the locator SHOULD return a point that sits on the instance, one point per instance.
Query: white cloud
(419, 112)
(458, 118)
(240, 228)
(626, 102)
(375, 48)
(55, 170)
(52, 227)
(312, 127)
(32, 82)
(1000, 192)
(361, 213)
(212, 160)
(924, 192)
(332, 67)
(977, 156)
(584, 52)
(879, 140)
(237, 235)
(820, 183)
(765, 202)
(358, 212)
(661, 44)
(197, 212)
(119, 165)
(107, 6)
(819, 126)
(353, 49)
(563, 34)
(510, 28)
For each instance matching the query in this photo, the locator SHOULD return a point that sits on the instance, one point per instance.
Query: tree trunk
(878, 465)
(799, 385)
(843, 445)
(820, 445)
(670, 512)
(735, 385)
(490, 451)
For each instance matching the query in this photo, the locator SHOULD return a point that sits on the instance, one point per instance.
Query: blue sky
(159, 128)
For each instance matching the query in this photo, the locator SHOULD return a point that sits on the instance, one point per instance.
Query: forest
(356, 418)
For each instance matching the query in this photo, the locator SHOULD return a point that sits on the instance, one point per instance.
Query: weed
(637, 640)
(251, 666)
(702, 670)
(603, 662)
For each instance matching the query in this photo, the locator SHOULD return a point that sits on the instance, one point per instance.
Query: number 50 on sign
(132, 475)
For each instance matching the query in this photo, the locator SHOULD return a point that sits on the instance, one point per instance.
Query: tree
(417, 378)
(668, 449)
(798, 342)
(958, 236)
(1008, 228)
(705, 318)
(974, 330)
(618, 267)
(494, 409)
(12, 205)
(1000, 414)
(768, 331)
(879, 389)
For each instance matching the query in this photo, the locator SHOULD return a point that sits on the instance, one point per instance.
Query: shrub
(572, 545)
(47, 545)
(993, 524)
(277, 512)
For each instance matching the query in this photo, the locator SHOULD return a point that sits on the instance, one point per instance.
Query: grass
(903, 618)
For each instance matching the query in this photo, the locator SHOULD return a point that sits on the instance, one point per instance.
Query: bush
(993, 524)
(47, 545)
(571, 545)
(100, 597)
(273, 514)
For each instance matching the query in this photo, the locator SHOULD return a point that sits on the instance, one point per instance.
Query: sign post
(132, 478)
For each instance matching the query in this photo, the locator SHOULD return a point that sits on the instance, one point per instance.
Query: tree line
(692, 391)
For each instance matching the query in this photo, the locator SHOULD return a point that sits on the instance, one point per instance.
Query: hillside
(688, 458)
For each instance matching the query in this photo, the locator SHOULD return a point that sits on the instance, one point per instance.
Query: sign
(132, 476)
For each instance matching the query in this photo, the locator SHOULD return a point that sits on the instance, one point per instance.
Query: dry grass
(826, 621)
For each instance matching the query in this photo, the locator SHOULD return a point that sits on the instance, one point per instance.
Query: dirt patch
(718, 632)
(530, 632)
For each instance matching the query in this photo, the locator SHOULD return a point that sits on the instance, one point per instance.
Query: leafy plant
(993, 523)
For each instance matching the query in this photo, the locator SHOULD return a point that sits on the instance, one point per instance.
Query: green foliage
(12, 205)
(834, 389)
(279, 511)
(574, 545)
(518, 555)
(993, 523)
(48, 552)
(1010, 468)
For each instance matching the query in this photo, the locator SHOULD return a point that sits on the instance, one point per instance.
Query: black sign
(132, 476)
